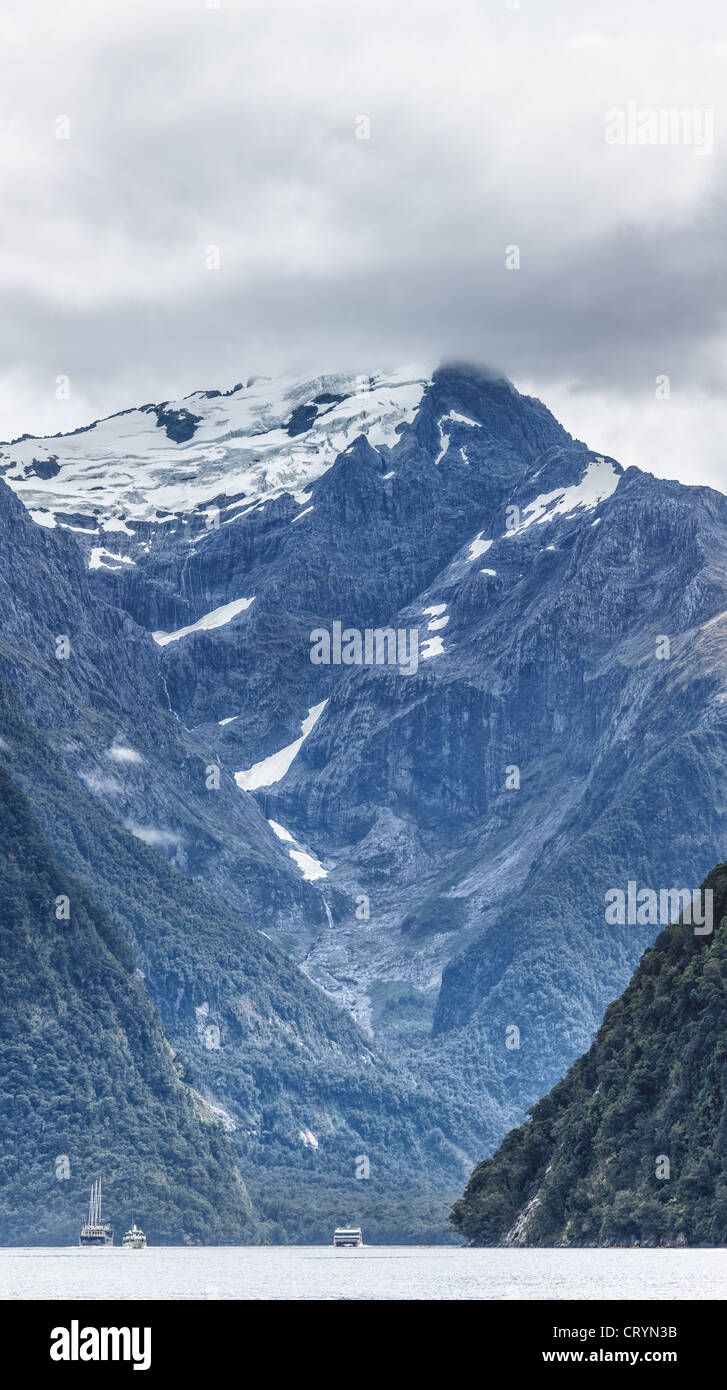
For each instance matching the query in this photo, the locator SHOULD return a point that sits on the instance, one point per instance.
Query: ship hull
(350, 1236)
(100, 1233)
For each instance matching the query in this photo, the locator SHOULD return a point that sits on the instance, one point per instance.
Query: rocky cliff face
(433, 845)
(318, 1120)
(94, 685)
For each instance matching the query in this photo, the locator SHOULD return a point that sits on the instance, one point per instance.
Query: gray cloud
(235, 127)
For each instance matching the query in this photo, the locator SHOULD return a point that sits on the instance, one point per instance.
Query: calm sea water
(374, 1272)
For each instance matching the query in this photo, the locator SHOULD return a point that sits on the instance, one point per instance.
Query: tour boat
(347, 1235)
(96, 1231)
(134, 1238)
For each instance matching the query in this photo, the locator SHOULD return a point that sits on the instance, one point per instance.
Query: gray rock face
(451, 832)
(94, 684)
(302, 1092)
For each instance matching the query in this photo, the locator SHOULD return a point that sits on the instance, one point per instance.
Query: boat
(347, 1235)
(96, 1231)
(134, 1239)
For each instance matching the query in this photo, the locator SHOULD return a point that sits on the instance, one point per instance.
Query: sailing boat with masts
(96, 1231)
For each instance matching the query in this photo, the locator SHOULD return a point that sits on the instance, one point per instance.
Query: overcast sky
(192, 126)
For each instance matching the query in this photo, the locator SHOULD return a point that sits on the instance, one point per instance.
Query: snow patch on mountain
(100, 558)
(464, 420)
(454, 417)
(281, 832)
(218, 617)
(443, 444)
(273, 769)
(438, 617)
(478, 547)
(310, 867)
(598, 482)
(432, 647)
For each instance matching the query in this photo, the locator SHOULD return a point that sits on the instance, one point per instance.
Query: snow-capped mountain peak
(254, 441)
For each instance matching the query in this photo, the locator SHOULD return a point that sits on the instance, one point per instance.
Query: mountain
(117, 783)
(89, 1084)
(92, 682)
(631, 1147)
(299, 1090)
(265, 439)
(432, 844)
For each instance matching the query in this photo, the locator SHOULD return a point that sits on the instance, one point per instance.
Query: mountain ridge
(445, 904)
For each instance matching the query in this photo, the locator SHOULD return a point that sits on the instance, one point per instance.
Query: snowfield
(258, 441)
(218, 617)
(273, 769)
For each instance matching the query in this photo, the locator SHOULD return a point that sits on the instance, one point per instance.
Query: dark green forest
(88, 1085)
(631, 1146)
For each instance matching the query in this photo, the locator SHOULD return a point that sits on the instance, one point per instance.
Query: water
(374, 1272)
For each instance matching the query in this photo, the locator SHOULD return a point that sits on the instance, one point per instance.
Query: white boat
(134, 1238)
(347, 1235)
(96, 1231)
